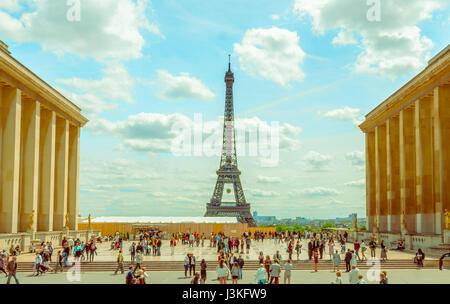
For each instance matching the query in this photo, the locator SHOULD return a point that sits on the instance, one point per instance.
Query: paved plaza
(268, 247)
(425, 276)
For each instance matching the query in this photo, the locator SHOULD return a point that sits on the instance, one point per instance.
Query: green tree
(327, 225)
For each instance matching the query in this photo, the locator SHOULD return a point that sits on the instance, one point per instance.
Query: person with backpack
(129, 279)
(120, 260)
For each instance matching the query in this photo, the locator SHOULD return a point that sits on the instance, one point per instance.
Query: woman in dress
(316, 259)
(235, 272)
(383, 251)
(363, 250)
(222, 272)
(331, 248)
(261, 258)
(267, 264)
(336, 260)
(353, 261)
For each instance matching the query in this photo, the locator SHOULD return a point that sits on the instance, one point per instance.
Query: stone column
(74, 169)
(10, 113)
(441, 112)
(424, 166)
(370, 180)
(408, 168)
(381, 183)
(394, 203)
(31, 111)
(61, 173)
(47, 170)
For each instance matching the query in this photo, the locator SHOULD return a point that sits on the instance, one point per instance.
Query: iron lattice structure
(228, 172)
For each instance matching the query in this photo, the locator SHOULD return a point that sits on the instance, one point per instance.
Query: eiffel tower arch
(228, 173)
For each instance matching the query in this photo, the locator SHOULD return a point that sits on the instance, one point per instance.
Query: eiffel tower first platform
(228, 173)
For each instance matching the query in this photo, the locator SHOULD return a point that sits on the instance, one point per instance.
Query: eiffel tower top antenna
(229, 63)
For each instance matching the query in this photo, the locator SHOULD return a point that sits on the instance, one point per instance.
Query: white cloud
(314, 192)
(361, 183)
(117, 84)
(275, 17)
(268, 179)
(344, 114)
(272, 53)
(344, 38)
(392, 47)
(181, 87)
(153, 132)
(107, 28)
(317, 161)
(262, 193)
(357, 158)
(10, 5)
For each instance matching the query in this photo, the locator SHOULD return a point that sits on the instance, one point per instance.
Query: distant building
(265, 220)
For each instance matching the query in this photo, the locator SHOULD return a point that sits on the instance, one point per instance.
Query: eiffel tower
(228, 173)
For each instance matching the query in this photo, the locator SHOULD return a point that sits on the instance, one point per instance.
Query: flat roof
(162, 220)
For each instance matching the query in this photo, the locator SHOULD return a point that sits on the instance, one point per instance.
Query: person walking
(2, 266)
(133, 252)
(288, 271)
(119, 263)
(356, 247)
(353, 261)
(310, 250)
(331, 248)
(139, 260)
(241, 263)
(187, 259)
(12, 270)
(298, 249)
(373, 247)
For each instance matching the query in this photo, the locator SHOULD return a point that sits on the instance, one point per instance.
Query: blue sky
(137, 68)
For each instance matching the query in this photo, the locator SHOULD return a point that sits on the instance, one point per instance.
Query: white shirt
(353, 276)
(261, 274)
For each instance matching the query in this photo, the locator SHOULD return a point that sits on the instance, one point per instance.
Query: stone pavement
(298, 277)
(268, 247)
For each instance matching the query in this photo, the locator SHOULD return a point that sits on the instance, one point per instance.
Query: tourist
(261, 257)
(310, 250)
(338, 278)
(277, 256)
(331, 248)
(119, 263)
(420, 257)
(129, 279)
(361, 279)
(316, 259)
(192, 265)
(222, 272)
(353, 275)
(203, 267)
(132, 252)
(383, 278)
(267, 264)
(336, 260)
(363, 250)
(353, 261)
(235, 272)
(383, 254)
(356, 247)
(298, 249)
(59, 262)
(2, 265)
(275, 270)
(139, 259)
(373, 247)
(12, 270)
(241, 262)
(347, 259)
(441, 260)
(196, 279)
(173, 243)
(288, 271)
(260, 274)
(38, 261)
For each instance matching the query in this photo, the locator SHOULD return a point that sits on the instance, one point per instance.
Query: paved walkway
(268, 247)
(298, 277)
